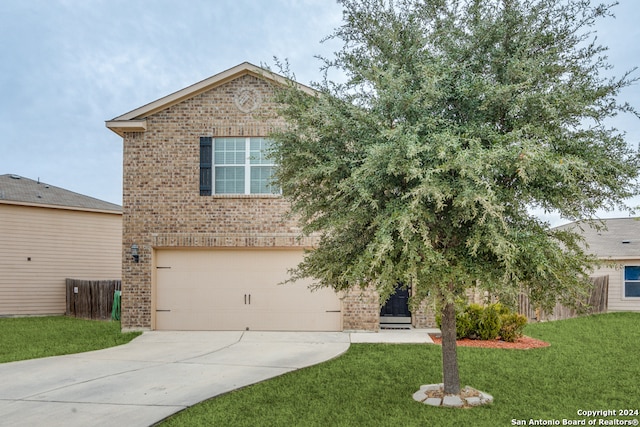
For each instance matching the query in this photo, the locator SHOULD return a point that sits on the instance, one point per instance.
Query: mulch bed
(523, 343)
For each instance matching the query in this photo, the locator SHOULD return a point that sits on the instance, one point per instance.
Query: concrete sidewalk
(161, 373)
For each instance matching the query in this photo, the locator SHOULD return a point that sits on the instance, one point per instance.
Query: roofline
(135, 120)
(618, 258)
(122, 126)
(588, 220)
(62, 207)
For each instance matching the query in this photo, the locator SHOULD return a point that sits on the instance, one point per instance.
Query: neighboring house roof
(135, 120)
(619, 240)
(17, 190)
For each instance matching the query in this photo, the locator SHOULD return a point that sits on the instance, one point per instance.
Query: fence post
(71, 298)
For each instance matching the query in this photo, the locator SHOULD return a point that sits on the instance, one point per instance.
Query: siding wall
(617, 302)
(60, 243)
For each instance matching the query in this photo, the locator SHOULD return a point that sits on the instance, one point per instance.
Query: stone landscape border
(433, 394)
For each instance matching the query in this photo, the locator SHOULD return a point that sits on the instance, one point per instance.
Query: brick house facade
(166, 215)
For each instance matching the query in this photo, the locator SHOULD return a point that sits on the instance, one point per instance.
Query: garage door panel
(269, 293)
(192, 292)
(190, 320)
(291, 321)
(238, 289)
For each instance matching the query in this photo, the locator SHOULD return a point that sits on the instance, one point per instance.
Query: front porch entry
(395, 313)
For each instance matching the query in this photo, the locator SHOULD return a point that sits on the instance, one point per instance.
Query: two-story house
(206, 239)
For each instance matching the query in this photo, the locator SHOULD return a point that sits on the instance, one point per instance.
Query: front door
(396, 309)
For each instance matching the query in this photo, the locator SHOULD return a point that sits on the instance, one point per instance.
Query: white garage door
(238, 289)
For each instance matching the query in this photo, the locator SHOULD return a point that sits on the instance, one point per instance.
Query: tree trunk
(450, 374)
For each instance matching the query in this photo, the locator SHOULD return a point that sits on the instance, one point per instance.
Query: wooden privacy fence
(91, 299)
(597, 303)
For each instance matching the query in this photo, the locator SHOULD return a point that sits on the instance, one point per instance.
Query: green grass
(592, 363)
(32, 337)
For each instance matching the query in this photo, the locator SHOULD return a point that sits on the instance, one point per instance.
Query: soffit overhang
(135, 120)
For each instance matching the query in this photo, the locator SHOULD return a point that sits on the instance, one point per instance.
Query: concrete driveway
(161, 373)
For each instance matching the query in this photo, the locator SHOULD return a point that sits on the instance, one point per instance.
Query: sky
(67, 66)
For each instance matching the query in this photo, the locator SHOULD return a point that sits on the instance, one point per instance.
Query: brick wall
(161, 198)
(424, 316)
(361, 310)
(162, 206)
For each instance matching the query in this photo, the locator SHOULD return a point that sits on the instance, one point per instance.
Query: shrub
(463, 325)
(487, 323)
(502, 309)
(467, 319)
(512, 326)
(490, 323)
(474, 312)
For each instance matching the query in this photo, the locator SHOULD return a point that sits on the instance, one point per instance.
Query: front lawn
(32, 337)
(592, 364)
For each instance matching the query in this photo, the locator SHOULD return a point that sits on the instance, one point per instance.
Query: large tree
(455, 121)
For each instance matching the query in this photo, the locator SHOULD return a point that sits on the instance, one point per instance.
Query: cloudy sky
(67, 66)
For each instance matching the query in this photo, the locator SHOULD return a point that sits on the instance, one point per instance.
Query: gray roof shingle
(620, 239)
(14, 188)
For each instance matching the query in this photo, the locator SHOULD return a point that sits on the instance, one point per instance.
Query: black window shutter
(205, 165)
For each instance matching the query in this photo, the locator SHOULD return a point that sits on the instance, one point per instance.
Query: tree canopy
(456, 120)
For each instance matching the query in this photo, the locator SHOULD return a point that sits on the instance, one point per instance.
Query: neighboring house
(210, 236)
(619, 244)
(48, 234)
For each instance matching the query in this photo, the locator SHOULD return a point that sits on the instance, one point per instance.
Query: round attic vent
(15, 177)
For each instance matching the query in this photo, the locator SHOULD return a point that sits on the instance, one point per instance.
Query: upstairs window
(235, 166)
(631, 281)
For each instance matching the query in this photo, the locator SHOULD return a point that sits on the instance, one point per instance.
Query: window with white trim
(240, 166)
(631, 281)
